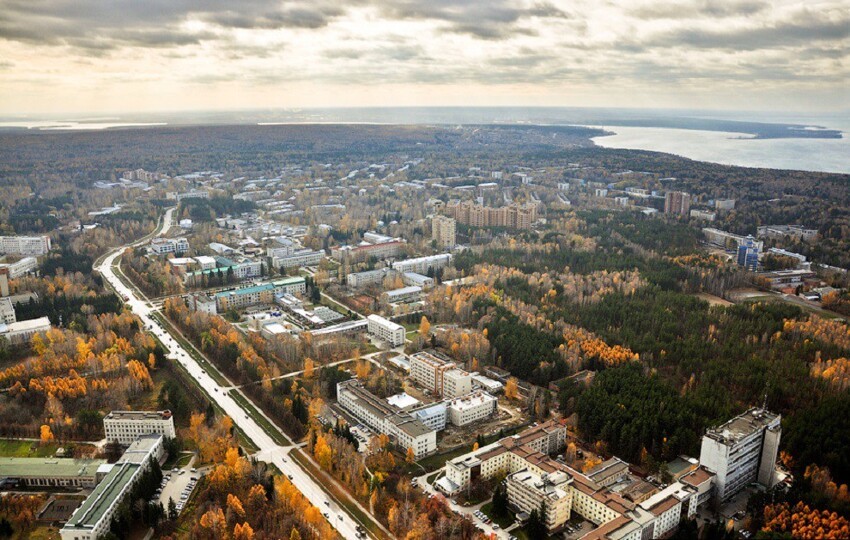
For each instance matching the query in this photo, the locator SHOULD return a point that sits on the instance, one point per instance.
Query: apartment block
(513, 216)
(443, 231)
(303, 257)
(259, 294)
(161, 246)
(7, 311)
(405, 294)
(428, 370)
(124, 427)
(369, 277)
(677, 202)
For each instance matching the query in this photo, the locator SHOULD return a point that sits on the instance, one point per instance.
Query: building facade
(742, 451)
(25, 245)
(443, 231)
(124, 427)
(386, 330)
(677, 202)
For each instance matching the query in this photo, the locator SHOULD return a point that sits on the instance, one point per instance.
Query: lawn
(42, 532)
(16, 448)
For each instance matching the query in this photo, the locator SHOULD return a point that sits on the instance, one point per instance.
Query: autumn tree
(511, 388)
(46, 436)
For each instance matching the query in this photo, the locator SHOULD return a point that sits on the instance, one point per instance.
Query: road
(269, 450)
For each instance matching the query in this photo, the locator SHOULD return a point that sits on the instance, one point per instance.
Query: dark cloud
(804, 28)
(108, 24)
(485, 19)
(696, 9)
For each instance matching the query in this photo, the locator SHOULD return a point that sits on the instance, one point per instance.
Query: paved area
(177, 482)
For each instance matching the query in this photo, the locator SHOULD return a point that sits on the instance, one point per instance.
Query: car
(340, 517)
(327, 503)
(289, 476)
(326, 515)
(454, 501)
(194, 469)
(175, 469)
(496, 527)
(182, 471)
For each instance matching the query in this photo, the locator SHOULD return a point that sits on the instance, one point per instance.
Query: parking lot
(178, 484)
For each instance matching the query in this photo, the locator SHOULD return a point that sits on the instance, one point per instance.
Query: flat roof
(742, 426)
(102, 497)
(139, 415)
(402, 400)
(27, 467)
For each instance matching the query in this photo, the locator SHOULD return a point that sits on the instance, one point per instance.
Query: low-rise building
(303, 257)
(369, 277)
(49, 472)
(93, 517)
(529, 491)
(7, 311)
(386, 330)
(404, 428)
(161, 246)
(471, 408)
(264, 293)
(794, 232)
(417, 280)
(421, 265)
(405, 294)
(22, 331)
(21, 267)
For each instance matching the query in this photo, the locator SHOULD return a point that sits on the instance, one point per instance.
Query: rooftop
(742, 426)
(139, 415)
(12, 467)
(102, 497)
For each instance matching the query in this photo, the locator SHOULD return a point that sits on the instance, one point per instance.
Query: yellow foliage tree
(46, 436)
(511, 388)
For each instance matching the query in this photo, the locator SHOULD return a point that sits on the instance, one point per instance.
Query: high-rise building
(443, 231)
(742, 451)
(677, 202)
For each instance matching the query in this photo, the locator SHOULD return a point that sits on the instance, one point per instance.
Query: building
(241, 271)
(264, 293)
(7, 311)
(141, 175)
(205, 262)
(513, 216)
(456, 383)
(386, 330)
(428, 369)
(785, 253)
(203, 302)
(124, 427)
(404, 428)
(491, 386)
(191, 194)
(533, 478)
(471, 408)
(704, 215)
(281, 247)
(724, 204)
(781, 279)
(417, 280)
(793, 232)
(365, 251)
(302, 257)
(347, 327)
(23, 331)
(4, 282)
(25, 245)
(742, 451)
(529, 491)
(726, 240)
(434, 416)
(398, 296)
(93, 517)
(443, 231)
(421, 265)
(748, 254)
(49, 472)
(161, 246)
(677, 202)
(369, 277)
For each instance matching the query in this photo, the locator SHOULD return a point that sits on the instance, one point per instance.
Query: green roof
(104, 495)
(25, 467)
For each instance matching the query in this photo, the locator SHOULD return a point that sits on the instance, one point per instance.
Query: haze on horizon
(94, 57)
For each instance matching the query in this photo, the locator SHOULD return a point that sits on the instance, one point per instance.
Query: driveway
(175, 485)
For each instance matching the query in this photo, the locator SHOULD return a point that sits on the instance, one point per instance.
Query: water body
(48, 125)
(823, 155)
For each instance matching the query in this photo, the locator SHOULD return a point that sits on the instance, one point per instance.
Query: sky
(90, 57)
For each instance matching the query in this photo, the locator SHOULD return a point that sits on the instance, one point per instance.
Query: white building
(205, 262)
(93, 517)
(405, 294)
(303, 257)
(405, 429)
(21, 267)
(192, 194)
(23, 331)
(7, 311)
(124, 427)
(456, 383)
(529, 491)
(471, 408)
(161, 246)
(428, 369)
(417, 280)
(386, 330)
(434, 416)
(421, 265)
(25, 245)
(369, 277)
(491, 386)
(742, 451)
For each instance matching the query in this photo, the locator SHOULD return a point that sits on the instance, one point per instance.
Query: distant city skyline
(91, 57)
